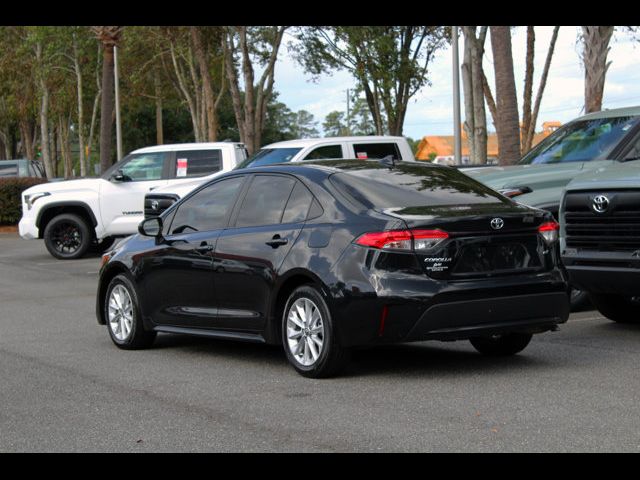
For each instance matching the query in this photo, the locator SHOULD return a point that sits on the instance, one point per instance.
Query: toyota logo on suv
(600, 203)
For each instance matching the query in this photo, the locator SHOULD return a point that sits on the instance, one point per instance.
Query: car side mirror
(119, 176)
(151, 227)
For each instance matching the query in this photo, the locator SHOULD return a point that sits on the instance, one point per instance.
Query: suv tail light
(549, 231)
(408, 240)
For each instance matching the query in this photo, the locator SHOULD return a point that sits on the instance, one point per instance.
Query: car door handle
(276, 241)
(205, 247)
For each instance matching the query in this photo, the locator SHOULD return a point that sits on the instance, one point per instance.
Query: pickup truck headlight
(31, 198)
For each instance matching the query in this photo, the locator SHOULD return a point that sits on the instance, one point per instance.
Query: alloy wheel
(305, 331)
(120, 312)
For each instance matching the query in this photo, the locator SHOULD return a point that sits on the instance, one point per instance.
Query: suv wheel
(67, 236)
(501, 345)
(103, 245)
(308, 335)
(122, 314)
(618, 308)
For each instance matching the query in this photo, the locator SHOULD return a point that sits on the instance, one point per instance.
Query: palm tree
(507, 121)
(596, 47)
(109, 38)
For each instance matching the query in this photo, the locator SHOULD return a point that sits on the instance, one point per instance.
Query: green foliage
(390, 63)
(10, 197)
(334, 125)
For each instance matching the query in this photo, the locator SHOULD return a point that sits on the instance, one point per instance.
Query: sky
(430, 112)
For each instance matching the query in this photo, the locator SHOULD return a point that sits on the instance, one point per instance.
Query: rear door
(248, 254)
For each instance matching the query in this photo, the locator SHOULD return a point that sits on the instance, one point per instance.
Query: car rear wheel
(67, 236)
(122, 314)
(501, 345)
(308, 335)
(618, 308)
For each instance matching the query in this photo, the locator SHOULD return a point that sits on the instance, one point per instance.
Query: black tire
(137, 337)
(103, 245)
(67, 236)
(332, 356)
(618, 308)
(501, 345)
(578, 299)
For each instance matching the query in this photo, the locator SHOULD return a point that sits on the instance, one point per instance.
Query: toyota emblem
(154, 205)
(497, 223)
(600, 204)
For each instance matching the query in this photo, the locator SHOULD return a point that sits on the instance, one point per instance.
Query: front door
(177, 275)
(122, 200)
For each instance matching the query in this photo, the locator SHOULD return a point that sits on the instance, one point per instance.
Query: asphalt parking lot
(65, 387)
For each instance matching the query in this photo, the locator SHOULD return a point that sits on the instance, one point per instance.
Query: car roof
(307, 142)
(329, 167)
(186, 146)
(613, 112)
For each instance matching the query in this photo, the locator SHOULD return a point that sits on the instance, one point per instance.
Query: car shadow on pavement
(422, 359)
(401, 359)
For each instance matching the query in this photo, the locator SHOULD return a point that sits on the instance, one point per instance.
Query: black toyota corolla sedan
(324, 256)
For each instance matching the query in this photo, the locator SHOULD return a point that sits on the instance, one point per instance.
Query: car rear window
(411, 186)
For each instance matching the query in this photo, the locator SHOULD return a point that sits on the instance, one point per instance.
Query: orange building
(440, 148)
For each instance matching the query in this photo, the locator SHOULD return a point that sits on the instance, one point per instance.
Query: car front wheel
(501, 345)
(308, 335)
(122, 314)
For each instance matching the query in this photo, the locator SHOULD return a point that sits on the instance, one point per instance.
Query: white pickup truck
(75, 215)
(306, 149)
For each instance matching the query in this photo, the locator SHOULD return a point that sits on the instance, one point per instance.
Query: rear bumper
(465, 319)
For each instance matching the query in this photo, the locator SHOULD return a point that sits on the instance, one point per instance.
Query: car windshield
(582, 141)
(269, 156)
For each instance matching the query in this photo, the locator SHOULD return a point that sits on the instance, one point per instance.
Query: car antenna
(388, 161)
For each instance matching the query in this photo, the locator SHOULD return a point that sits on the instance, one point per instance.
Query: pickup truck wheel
(67, 236)
(618, 308)
(501, 345)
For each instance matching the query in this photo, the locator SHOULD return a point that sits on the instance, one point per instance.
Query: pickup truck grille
(160, 201)
(616, 228)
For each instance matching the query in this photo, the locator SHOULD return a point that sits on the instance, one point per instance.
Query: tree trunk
(81, 140)
(205, 74)
(543, 82)
(508, 128)
(528, 88)
(158, 99)
(26, 139)
(596, 48)
(472, 78)
(44, 133)
(107, 108)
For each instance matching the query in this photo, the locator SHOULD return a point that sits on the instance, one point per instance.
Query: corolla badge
(497, 223)
(600, 203)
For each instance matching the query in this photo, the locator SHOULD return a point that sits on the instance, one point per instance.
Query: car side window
(208, 209)
(197, 163)
(366, 151)
(144, 166)
(265, 201)
(298, 205)
(325, 152)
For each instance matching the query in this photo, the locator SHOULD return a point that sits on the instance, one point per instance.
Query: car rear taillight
(408, 240)
(549, 231)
